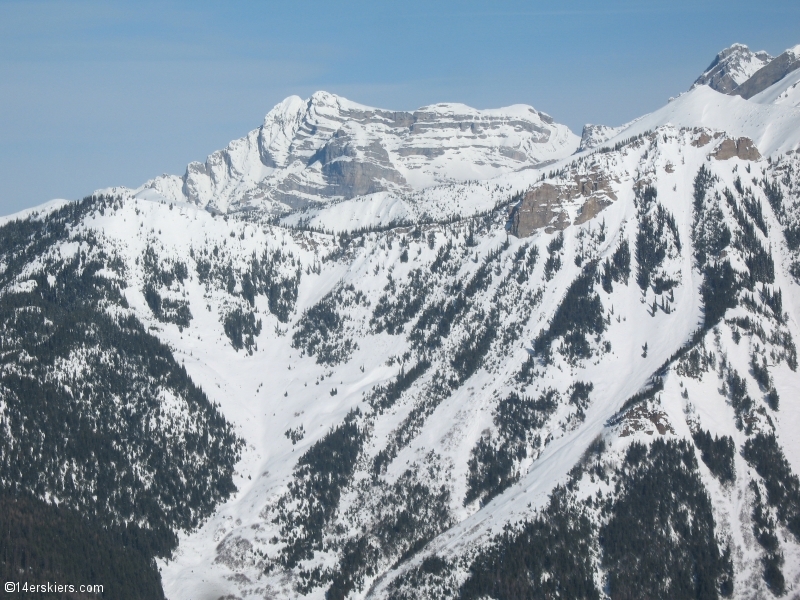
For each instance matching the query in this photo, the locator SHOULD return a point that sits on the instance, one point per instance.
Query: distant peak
(288, 106)
(292, 106)
(594, 135)
(736, 52)
(290, 101)
(737, 46)
(731, 67)
(323, 97)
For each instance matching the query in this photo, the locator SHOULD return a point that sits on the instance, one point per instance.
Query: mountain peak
(292, 107)
(288, 104)
(732, 67)
(323, 98)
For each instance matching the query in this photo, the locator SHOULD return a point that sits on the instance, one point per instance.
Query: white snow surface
(276, 389)
(785, 92)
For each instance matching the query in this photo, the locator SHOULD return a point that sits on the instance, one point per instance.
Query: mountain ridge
(307, 152)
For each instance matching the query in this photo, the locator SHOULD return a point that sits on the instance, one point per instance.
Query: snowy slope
(784, 92)
(668, 159)
(35, 212)
(276, 390)
(773, 128)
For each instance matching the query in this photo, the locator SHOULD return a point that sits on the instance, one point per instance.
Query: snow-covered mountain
(576, 379)
(327, 148)
(732, 67)
(741, 72)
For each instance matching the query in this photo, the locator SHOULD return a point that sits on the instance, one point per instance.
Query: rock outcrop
(742, 148)
(554, 207)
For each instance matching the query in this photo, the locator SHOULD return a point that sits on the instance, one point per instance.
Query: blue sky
(102, 93)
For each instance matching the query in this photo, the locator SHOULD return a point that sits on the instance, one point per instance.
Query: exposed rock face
(540, 208)
(770, 73)
(702, 139)
(591, 208)
(552, 207)
(732, 67)
(742, 148)
(328, 148)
